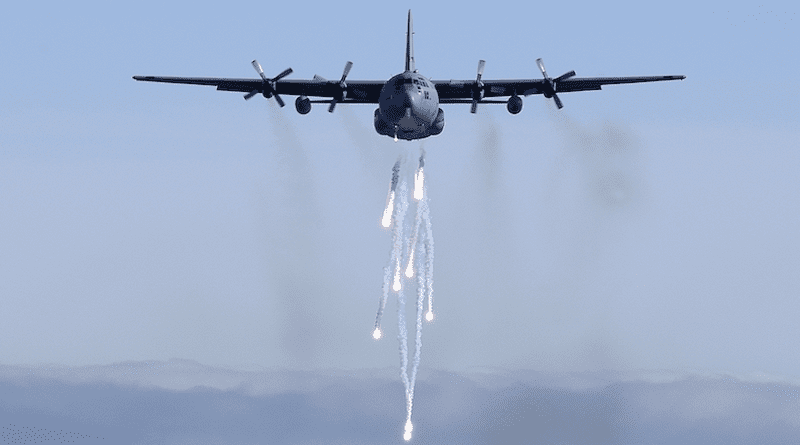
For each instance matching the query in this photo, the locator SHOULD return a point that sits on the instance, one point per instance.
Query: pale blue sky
(144, 221)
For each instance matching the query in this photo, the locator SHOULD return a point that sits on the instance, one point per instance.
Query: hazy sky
(640, 227)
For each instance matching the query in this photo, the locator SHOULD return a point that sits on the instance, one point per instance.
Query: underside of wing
(357, 91)
(456, 91)
(243, 85)
(451, 90)
(594, 83)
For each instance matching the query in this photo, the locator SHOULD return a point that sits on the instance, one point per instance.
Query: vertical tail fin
(410, 44)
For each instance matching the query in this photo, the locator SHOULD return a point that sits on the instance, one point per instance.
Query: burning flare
(410, 267)
(407, 433)
(429, 316)
(376, 334)
(396, 286)
(387, 214)
(419, 180)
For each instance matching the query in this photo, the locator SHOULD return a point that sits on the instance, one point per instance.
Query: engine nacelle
(514, 104)
(302, 104)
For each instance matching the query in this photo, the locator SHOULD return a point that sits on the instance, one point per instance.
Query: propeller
(550, 84)
(268, 85)
(343, 86)
(477, 89)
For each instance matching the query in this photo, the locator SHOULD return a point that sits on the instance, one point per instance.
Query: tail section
(410, 44)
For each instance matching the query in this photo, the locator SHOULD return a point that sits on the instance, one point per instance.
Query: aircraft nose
(410, 97)
(395, 108)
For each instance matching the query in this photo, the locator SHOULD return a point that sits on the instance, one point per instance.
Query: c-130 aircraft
(408, 103)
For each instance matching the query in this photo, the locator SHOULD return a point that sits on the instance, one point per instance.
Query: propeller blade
(477, 90)
(318, 78)
(280, 76)
(258, 68)
(558, 101)
(346, 71)
(333, 105)
(250, 95)
(541, 67)
(565, 76)
(280, 101)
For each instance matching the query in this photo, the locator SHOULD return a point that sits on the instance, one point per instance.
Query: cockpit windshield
(414, 81)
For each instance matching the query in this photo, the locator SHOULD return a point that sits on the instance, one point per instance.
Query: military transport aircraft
(408, 103)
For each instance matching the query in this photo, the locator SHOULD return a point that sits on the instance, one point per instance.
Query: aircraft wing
(594, 83)
(461, 91)
(357, 91)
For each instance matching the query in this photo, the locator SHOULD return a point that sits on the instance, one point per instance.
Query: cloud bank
(184, 402)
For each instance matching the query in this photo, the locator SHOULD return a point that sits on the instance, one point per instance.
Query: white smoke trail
(428, 251)
(386, 220)
(387, 280)
(419, 180)
(413, 242)
(402, 337)
(419, 177)
(428, 243)
(402, 333)
(420, 299)
(410, 267)
(376, 333)
(397, 283)
(389, 215)
(398, 241)
(421, 245)
(421, 277)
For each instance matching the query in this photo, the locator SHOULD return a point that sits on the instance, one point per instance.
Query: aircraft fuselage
(408, 108)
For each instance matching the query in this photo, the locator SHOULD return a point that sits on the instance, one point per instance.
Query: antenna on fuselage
(410, 44)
